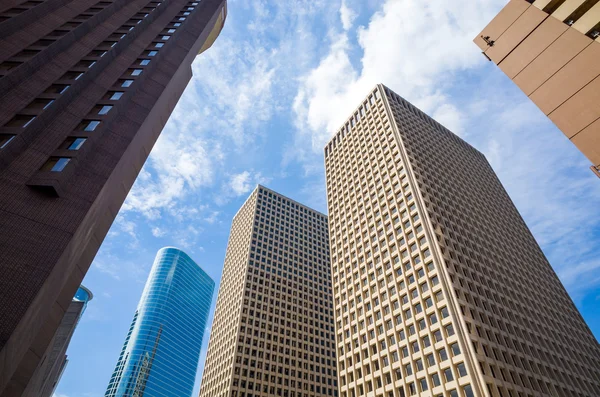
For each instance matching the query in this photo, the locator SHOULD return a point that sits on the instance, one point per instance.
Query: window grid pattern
(527, 334)
(395, 335)
(166, 332)
(284, 332)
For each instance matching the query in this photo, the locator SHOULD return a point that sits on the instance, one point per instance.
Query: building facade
(439, 287)
(85, 89)
(48, 374)
(551, 50)
(162, 348)
(272, 334)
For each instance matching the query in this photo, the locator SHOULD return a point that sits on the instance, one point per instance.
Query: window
(20, 120)
(159, 45)
(90, 125)
(5, 140)
(104, 109)
(462, 371)
(126, 83)
(115, 95)
(423, 384)
(57, 89)
(455, 349)
(443, 355)
(171, 31)
(56, 164)
(165, 38)
(448, 375)
(430, 359)
(71, 76)
(74, 143)
(144, 62)
(435, 378)
(152, 53)
(136, 72)
(468, 391)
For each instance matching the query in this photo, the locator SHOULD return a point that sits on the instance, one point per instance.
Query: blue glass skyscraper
(161, 352)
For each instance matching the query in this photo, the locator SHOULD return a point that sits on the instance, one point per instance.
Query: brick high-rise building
(85, 89)
(551, 50)
(272, 333)
(439, 287)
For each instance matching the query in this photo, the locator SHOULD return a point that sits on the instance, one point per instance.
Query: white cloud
(424, 52)
(240, 184)
(413, 47)
(158, 232)
(347, 15)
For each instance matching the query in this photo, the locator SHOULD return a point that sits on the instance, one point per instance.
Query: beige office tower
(551, 50)
(439, 287)
(273, 332)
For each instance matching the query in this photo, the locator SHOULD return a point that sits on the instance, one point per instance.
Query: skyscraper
(551, 50)
(54, 362)
(439, 287)
(162, 348)
(85, 89)
(272, 334)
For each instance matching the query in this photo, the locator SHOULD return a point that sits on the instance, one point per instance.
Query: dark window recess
(71, 75)
(594, 32)
(88, 125)
(5, 140)
(8, 65)
(55, 164)
(20, 120)
(57, 89)
(580, 11)
(553, 6)
(39, 104)
(73, 143)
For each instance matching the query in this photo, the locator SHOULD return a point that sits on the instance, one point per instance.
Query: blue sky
(264, 100)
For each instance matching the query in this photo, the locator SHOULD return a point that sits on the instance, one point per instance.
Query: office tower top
(161, 352)
(85, 89)
(439, 287)
(272, 334)
(551, 50)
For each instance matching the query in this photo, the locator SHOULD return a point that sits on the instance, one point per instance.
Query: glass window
(126, 83)
(448, 375)
(165, 38)
(455, 349)
(57, 89)
(144, 62)
(76, 143)
(468, 391)
(5, 140)
(462, 371)
(136, 72)
(20, 120)
(56, 164)
(159, 45)
(116, 95)
(91, 125)
(152, 53)
(443, 355)
(435, 378)
(104, 109)
(423, 383)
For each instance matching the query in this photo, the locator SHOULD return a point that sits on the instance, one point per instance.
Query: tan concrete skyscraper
(273, 327)
(439, 287)
(551, 50)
